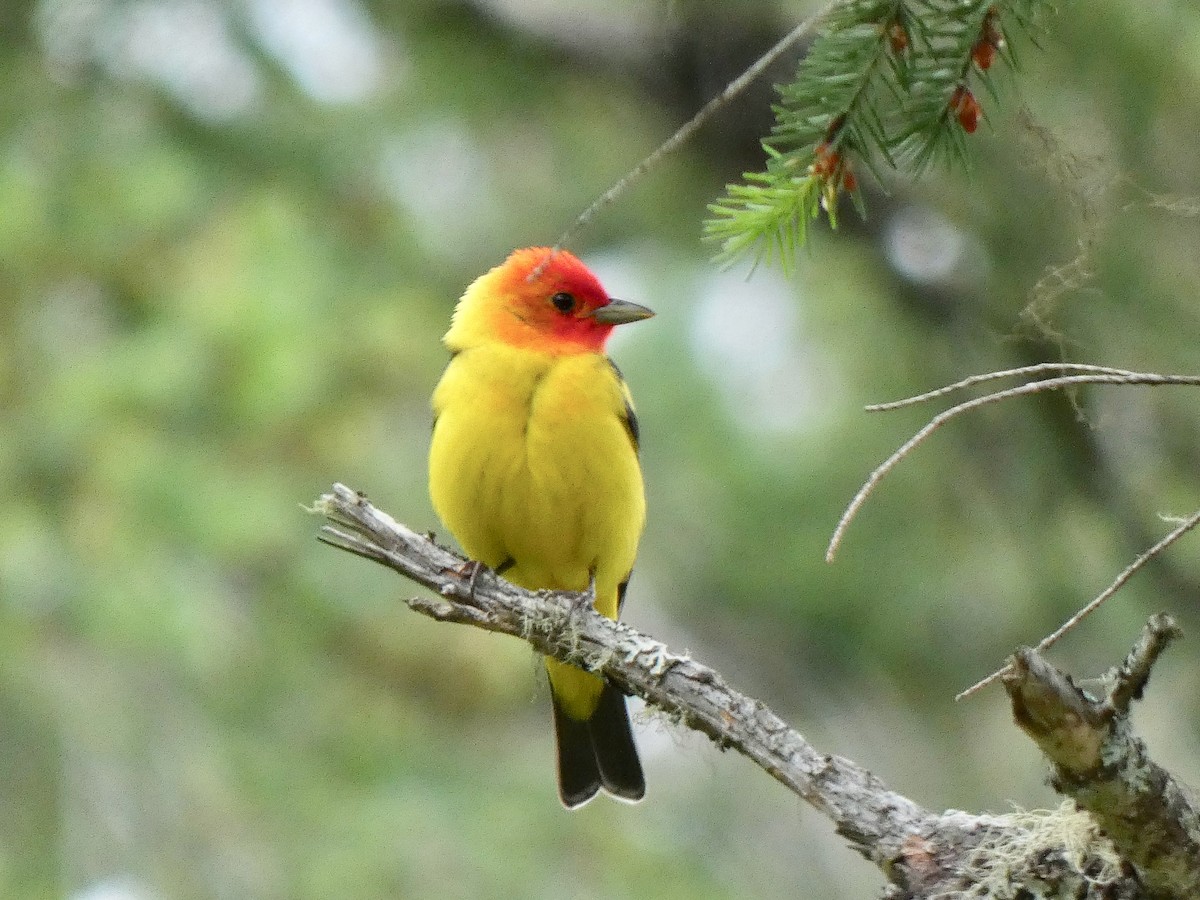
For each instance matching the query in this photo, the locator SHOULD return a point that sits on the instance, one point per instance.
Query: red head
(540, 299)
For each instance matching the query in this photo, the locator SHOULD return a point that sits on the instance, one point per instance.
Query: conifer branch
(689, 128)
(886, 84)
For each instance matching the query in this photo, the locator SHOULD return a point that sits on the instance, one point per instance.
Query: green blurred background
(231, 235)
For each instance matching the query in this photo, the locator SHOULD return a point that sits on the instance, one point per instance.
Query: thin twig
(1037, 369)
(1116, 377)
(1128, 680)
(1184, 527)
(685, 131)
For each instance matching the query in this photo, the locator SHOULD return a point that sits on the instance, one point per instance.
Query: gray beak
(618, 312)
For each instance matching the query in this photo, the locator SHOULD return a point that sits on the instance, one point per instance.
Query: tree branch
(923, 854)
(555, 623)
(1152, 820)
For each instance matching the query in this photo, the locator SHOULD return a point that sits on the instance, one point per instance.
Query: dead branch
(923, 854)
(1152, 820)
(1083, 374)
(555, 623)
(1088, 375)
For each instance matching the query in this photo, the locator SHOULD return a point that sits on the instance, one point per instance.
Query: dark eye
(563, 301)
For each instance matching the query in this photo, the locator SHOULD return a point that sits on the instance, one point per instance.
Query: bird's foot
(473, 568)
(469, 570)
(585, 600)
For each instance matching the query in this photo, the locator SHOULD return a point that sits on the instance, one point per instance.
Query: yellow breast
(532, 461)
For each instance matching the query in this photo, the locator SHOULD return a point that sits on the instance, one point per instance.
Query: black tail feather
(612, 741)
(597, 753)
(578, 774)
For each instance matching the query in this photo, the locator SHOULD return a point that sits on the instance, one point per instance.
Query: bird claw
(469, 570)
(585, 600)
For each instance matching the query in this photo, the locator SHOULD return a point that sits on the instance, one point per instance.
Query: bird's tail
(598, 751)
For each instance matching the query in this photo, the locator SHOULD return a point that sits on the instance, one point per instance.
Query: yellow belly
(531, 462)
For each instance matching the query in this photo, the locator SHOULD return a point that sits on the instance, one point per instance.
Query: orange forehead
(541, 272)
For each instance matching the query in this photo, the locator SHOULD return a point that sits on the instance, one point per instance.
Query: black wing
(628, 416)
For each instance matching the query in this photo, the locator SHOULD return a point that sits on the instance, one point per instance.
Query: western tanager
(533, 467)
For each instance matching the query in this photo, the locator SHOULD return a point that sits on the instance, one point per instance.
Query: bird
(533, 467)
